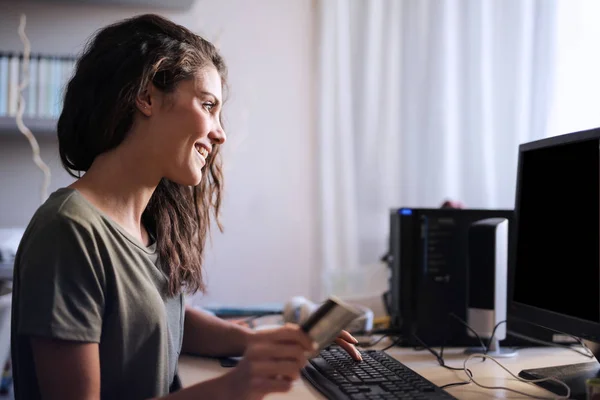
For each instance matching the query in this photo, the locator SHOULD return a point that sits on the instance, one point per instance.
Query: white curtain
(420, 101)
(575, 104)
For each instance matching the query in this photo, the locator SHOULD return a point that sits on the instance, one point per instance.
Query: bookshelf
(48, 75)
(40, 127)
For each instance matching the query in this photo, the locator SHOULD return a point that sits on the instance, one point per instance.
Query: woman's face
(186, 125)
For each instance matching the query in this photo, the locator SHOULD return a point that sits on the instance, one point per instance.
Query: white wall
(268, 251)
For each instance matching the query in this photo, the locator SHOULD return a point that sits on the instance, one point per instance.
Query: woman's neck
(120, 183)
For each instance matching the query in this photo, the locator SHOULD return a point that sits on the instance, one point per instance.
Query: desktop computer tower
(429, 273)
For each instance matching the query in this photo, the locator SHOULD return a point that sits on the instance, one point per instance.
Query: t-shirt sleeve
(60, 283)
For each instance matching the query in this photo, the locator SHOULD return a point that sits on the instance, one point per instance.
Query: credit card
(325, 324)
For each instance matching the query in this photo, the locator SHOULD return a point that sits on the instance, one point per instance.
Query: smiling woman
(99, 275)
(154, 110)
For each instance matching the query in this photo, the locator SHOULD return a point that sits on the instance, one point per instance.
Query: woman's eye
(208, 106)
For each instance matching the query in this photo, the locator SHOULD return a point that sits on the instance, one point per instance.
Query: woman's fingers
(345, 335)
(288, 333)
(346, 341)
(350, 349)
(272, 360)
(278, 352)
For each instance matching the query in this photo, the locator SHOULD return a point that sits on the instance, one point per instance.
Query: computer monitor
(554, 273)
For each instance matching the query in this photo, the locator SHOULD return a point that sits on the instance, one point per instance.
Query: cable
(588, 352)
(424, 346)
(438, 356)
(472, 379)
(483, 346)
(469, 373)
(492, 336)
(371, 344)
(394, 343)
(21, 109)
(455, 384)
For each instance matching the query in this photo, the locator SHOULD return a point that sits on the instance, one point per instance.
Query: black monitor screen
(557, 264)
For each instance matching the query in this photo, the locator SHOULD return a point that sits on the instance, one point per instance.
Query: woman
(98, 309)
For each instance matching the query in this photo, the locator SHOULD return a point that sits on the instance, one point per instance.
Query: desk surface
(193, 370)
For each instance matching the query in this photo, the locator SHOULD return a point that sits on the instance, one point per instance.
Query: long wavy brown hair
(116, 66)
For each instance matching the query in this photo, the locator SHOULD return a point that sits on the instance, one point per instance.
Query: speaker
(487, 284)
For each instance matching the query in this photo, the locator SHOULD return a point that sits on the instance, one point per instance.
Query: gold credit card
(328, 321)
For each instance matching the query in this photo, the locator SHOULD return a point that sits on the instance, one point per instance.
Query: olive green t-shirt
(81, 277)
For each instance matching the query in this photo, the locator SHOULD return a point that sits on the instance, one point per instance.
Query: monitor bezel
(581, 328)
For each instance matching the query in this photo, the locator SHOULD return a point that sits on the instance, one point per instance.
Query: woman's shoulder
(63, 222)
(64, 208)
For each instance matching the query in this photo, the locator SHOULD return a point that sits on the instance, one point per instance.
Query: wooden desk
(193, 370)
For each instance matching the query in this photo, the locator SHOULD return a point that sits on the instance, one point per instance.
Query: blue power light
(406, 211)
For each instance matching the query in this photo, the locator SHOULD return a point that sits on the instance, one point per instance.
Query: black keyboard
(377, 376)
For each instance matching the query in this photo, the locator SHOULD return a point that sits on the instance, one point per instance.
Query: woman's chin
(192, 179)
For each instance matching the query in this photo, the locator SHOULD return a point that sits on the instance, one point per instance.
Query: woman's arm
(71, 371)
(207, 335)
(66, 370)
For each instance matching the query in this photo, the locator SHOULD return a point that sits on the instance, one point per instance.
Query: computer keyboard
(378, 376)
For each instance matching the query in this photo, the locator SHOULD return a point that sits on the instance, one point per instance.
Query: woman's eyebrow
(216, 100)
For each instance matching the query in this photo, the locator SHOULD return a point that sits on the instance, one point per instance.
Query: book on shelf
(48, 76)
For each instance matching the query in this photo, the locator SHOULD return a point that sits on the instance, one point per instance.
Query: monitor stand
(574, 375)
(494, 350)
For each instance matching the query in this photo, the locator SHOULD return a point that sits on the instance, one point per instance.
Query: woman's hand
(346, 341)
(272, 361)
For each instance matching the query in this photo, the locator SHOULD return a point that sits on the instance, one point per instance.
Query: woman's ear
(144, 101)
